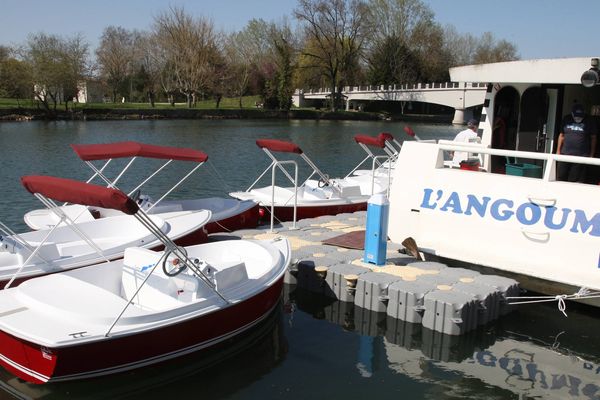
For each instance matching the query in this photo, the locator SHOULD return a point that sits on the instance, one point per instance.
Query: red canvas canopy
(77, 192)
(385, 136)
(91, 152)
(369, 140)
(278, 145)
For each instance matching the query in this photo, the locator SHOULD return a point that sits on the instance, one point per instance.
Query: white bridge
(462, 96)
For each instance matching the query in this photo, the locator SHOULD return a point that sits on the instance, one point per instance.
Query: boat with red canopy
(227, 214)
(313, 197)
(140, 310)
(67, 245)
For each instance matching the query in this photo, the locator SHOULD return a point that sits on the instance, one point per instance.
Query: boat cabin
(527, 100)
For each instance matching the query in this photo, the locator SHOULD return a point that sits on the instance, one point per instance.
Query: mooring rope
(582, 293)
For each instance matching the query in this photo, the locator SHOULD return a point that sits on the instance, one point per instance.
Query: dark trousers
(571, 172)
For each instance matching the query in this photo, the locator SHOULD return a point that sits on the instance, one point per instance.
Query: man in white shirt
(466, 136)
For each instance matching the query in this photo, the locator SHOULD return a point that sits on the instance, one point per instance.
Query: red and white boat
(383, 164)
(146, 308)
(227, 214)
(68, 245)
(313, 197)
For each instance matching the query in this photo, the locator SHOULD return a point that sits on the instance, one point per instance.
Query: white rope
(582, 293)
(561, 304)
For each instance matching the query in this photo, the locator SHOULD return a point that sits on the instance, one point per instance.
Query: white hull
(220, 209)
(91, 314)
(65, 249)
(515, 224)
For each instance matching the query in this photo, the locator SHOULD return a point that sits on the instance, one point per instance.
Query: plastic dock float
(407, 292)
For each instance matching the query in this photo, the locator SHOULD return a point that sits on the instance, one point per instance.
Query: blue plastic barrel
(378, 210)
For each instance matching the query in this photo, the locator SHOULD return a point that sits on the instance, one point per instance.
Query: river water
(312, 347)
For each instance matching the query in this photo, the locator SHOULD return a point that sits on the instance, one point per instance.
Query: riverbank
(95, 114)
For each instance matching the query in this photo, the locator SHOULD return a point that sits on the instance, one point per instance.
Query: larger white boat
(513, 216)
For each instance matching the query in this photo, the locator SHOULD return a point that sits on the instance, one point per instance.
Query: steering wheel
(178, 265)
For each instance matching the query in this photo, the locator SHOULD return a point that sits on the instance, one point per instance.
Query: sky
(539, 28)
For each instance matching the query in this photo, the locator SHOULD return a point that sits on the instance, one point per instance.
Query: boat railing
(315, 170)
(63, 219)
(280, 165)
(18, 239)
(98, 172)
(549, 159)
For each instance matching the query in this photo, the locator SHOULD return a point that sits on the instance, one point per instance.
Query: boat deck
(442, 298)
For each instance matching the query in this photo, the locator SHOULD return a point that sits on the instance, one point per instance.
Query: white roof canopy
(556, 70)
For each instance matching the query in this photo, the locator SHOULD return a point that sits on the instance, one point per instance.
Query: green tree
(115, 58)
(264, 53)
(191, 48)
(335, 32)
(490, 50)
(15, 79)
(391, 62)
(149, 60)
(58, 66)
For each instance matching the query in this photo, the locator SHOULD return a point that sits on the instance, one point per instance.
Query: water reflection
(533, 352)
(321, 348)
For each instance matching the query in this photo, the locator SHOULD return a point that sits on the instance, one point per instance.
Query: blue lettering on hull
(527, 213)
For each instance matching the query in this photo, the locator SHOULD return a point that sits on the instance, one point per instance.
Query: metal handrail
(550, 158)
(63, 218)
(295, 182)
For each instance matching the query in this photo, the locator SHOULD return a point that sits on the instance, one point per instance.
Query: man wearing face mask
(577, 138)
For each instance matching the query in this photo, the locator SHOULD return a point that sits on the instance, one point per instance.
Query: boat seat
(230, 274)
(350, 191)
(160, 291)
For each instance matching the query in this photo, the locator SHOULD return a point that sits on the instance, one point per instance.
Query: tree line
(334, 43)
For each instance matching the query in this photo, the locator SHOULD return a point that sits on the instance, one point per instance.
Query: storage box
(524, 169)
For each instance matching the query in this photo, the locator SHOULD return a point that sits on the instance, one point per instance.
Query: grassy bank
(13, 110)
(226, 103)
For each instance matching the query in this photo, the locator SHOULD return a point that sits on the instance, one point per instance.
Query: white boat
(67, 246)
(381, 165)
(313, 197)
(226, 214)
(148, 307)
(514, 216)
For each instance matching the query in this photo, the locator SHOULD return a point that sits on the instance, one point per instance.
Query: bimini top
(77, 192)
(91, 152)
(370, 140)
(554, 70)
(385, 136)
(278, 145)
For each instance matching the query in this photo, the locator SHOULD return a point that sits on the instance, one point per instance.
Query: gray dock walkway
(449, 300)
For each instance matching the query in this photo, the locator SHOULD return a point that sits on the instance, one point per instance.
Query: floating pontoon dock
(449, 300)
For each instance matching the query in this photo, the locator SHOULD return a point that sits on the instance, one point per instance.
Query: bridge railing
(397, 87)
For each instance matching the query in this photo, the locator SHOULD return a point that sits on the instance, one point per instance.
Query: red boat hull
(246, 220)
(287, 213)
(37, 364)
